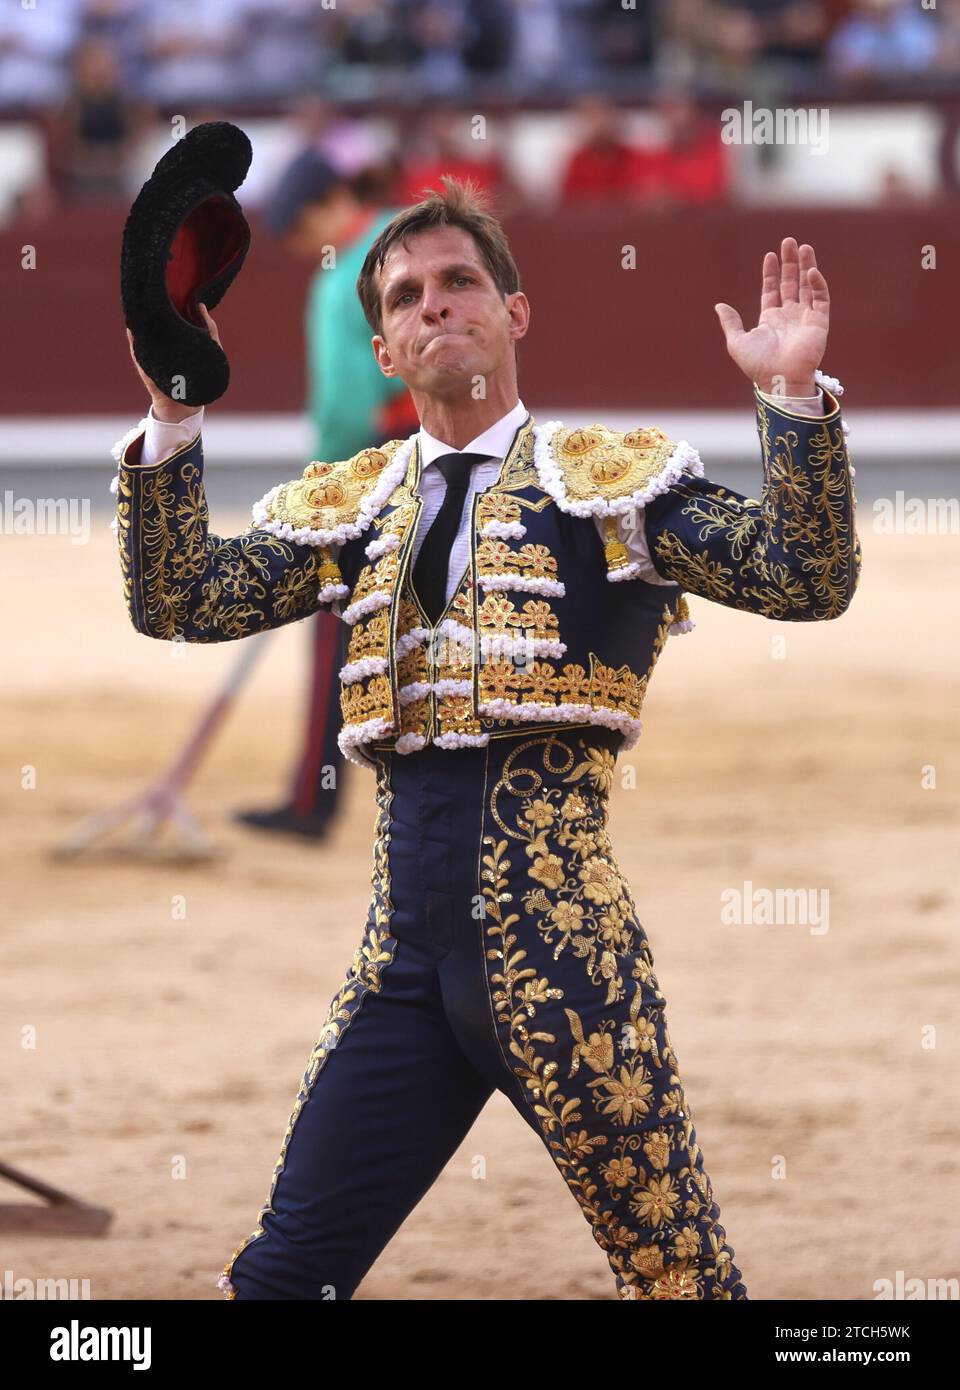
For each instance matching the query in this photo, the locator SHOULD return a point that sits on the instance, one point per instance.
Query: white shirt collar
(494, 441)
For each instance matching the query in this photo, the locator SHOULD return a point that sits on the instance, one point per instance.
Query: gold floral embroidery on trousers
(602, 1077)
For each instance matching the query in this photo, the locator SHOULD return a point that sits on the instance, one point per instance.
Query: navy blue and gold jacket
(547, 624)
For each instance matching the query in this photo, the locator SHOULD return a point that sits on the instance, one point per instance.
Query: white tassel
(366, 666)
(504, 530)
(381, 546)
(457, 631)
(368, 604)
(830, 382)
(448, 686)
(628, 571)
(528, 584)
(455, 740)
(409, 743)
(352, 735)
(416, 690)
(408, 640)
(497, 645)
(532, 711)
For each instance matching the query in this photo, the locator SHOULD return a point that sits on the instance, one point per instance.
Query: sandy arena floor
(160, 1037)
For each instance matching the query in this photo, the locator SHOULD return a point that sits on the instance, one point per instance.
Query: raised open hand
(784, 350)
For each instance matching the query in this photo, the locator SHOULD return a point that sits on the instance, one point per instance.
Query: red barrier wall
(600, 336)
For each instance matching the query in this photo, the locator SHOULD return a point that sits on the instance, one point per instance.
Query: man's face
(445, 322)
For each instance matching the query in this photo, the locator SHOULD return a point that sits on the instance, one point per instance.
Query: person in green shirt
(322, 216)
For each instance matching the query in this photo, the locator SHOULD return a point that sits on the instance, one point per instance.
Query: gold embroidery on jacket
(376, 577)
(330, 494)
(519, 469)
(495, 556)
(370, 635)
(461, 674)
(545, 682)
(125, 536)
(695, 571)
(499, 614)
(497, 506)
(454, 657)
(599, 460)
(371, 698)
(413, 668)
(175, 550)
(803, 509)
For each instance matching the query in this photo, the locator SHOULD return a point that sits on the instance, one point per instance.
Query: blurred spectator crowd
(235, 52)
(92, 77)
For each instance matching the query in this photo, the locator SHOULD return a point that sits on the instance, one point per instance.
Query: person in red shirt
(689, 166)
(440, 144)
(601, 167)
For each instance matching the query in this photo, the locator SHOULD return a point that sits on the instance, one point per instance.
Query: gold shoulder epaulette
(334, 502)
(597, 471)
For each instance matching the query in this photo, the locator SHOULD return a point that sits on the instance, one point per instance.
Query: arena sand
(166, 1042)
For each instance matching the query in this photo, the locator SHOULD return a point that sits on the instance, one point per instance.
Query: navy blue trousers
(501, 950)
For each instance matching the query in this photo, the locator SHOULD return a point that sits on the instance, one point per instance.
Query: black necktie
(433, 558)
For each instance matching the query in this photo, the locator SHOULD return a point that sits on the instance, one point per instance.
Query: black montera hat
(184, 241)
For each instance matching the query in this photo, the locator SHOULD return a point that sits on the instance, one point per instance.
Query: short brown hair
(461, 204)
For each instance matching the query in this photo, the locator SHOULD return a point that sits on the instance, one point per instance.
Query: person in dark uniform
(508, 586)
